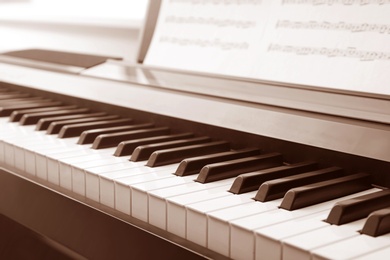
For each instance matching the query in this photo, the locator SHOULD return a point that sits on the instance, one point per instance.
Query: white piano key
(19, 159)
(42, 160)
(2, 154)
(62, 151)
(32, 164)
(9, 155)
(269, 240)
(275, 235)
(123, 199)
(15, 130)
(14, 140)
(92, 176)
(107, 180)
(243, 229)
(107, 187)
(383, 253)
(4, 120)
(157, 198)
(25, 138)
(39, 158)
(196, 230)
(78, 171)
(177, 213)
(140, 197)
(300, 246)
(65, 161)
(352, 247)
(218, 227)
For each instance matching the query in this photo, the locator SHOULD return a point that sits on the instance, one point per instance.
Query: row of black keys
(300, 184)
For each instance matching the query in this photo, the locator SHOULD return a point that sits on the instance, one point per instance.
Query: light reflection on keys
(242, 238)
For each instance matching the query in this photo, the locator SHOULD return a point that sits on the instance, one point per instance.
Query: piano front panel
(121, 198)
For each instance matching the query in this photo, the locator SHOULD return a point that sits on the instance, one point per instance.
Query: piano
(102, 158)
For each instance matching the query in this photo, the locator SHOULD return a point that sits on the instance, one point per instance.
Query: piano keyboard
(240, 202)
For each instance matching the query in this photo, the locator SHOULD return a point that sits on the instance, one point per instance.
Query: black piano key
(229, 169)
(26, 100)
(18, 114)
(193, 165)
(356, 208)
(33, 118)
(128, 147)
(89, 136)
(143, 152)
(377, 223)
(55, 127)
(175, 155)
(13, 95)
(276, 189)
(44, 123)
(251, 181)
(326, 190)
(76, 129)
(8, 103)
(7, 110)
(112, 140)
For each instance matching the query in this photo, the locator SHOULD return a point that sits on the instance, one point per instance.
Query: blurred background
(105, 27)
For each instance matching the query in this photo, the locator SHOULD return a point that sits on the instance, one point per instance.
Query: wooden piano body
(332, 127)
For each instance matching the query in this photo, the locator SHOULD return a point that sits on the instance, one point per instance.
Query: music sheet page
(343, 44)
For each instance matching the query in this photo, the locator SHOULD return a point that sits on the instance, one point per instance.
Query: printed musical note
(335, 2)
(217, 2)
(334, 26)
(215, 43)
(210, 21)
(352, 53)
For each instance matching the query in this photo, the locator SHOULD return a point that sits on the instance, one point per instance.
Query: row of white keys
(197, 213)
(380, 253)
(73, 174)
(218, 227)
(53, 156)
(243, 230)
(298, 237)
(34, 153)
(92, 176)
(140, 198)
(161, 176)
(69, 166)
(69, 159)
(48, 165)
(301, 246)
(177, 211)
(354, 247)
(79, 169)
(65, 165)
(4, 129)
(157, 199)
(119, 196)
(269, 240)
(18, 141)
(173, 205)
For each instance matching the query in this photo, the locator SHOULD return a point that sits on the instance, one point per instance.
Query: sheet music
(342, 44)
